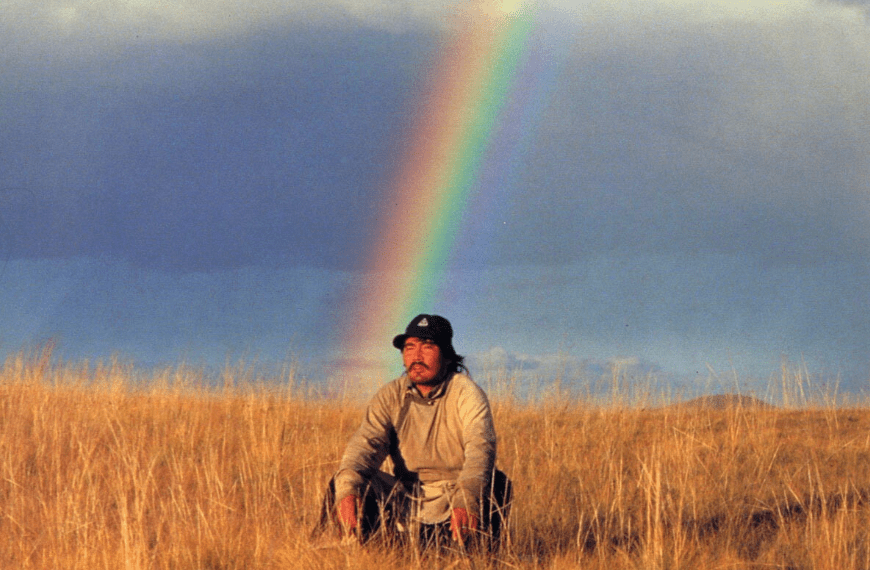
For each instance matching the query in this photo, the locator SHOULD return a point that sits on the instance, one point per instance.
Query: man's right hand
(347, 514)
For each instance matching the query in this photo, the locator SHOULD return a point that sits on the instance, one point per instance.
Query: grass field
(101, 468)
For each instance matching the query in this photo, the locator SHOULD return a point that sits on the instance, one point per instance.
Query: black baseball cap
(433, 327)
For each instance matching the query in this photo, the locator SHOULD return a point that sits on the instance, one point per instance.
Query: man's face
(422, 360)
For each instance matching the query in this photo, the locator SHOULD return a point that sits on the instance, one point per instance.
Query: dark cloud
(209, 156)
(226, 153)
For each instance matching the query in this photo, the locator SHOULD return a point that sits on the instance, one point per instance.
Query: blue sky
(201, 182)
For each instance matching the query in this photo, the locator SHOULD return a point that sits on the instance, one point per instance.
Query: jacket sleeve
(480, 443)
(367, 448)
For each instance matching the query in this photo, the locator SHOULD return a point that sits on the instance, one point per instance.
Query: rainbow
(443, 152)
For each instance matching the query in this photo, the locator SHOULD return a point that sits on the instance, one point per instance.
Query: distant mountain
(724, 401)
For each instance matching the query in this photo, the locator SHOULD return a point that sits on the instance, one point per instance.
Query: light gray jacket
(446, 441)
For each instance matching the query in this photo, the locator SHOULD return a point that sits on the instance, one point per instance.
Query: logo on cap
(423, 323)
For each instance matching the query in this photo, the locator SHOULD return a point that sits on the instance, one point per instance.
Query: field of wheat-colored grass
(102, 468)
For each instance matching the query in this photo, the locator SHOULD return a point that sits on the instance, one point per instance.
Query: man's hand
(462, 525)
(347, 514)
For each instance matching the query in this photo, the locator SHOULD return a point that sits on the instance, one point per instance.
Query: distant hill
(724, 401)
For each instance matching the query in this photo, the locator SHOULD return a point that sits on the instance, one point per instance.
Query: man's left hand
(462, 524)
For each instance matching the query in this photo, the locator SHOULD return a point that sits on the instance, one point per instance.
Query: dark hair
(452, 361)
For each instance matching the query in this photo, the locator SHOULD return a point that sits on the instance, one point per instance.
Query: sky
(678, 188)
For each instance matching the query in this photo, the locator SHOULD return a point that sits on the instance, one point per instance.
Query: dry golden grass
(102, 470)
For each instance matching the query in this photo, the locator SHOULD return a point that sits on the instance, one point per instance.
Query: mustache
(413, 364)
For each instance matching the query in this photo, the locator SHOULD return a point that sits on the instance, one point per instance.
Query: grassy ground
(96, 472)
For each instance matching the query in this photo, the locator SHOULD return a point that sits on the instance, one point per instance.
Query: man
(435, 424)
